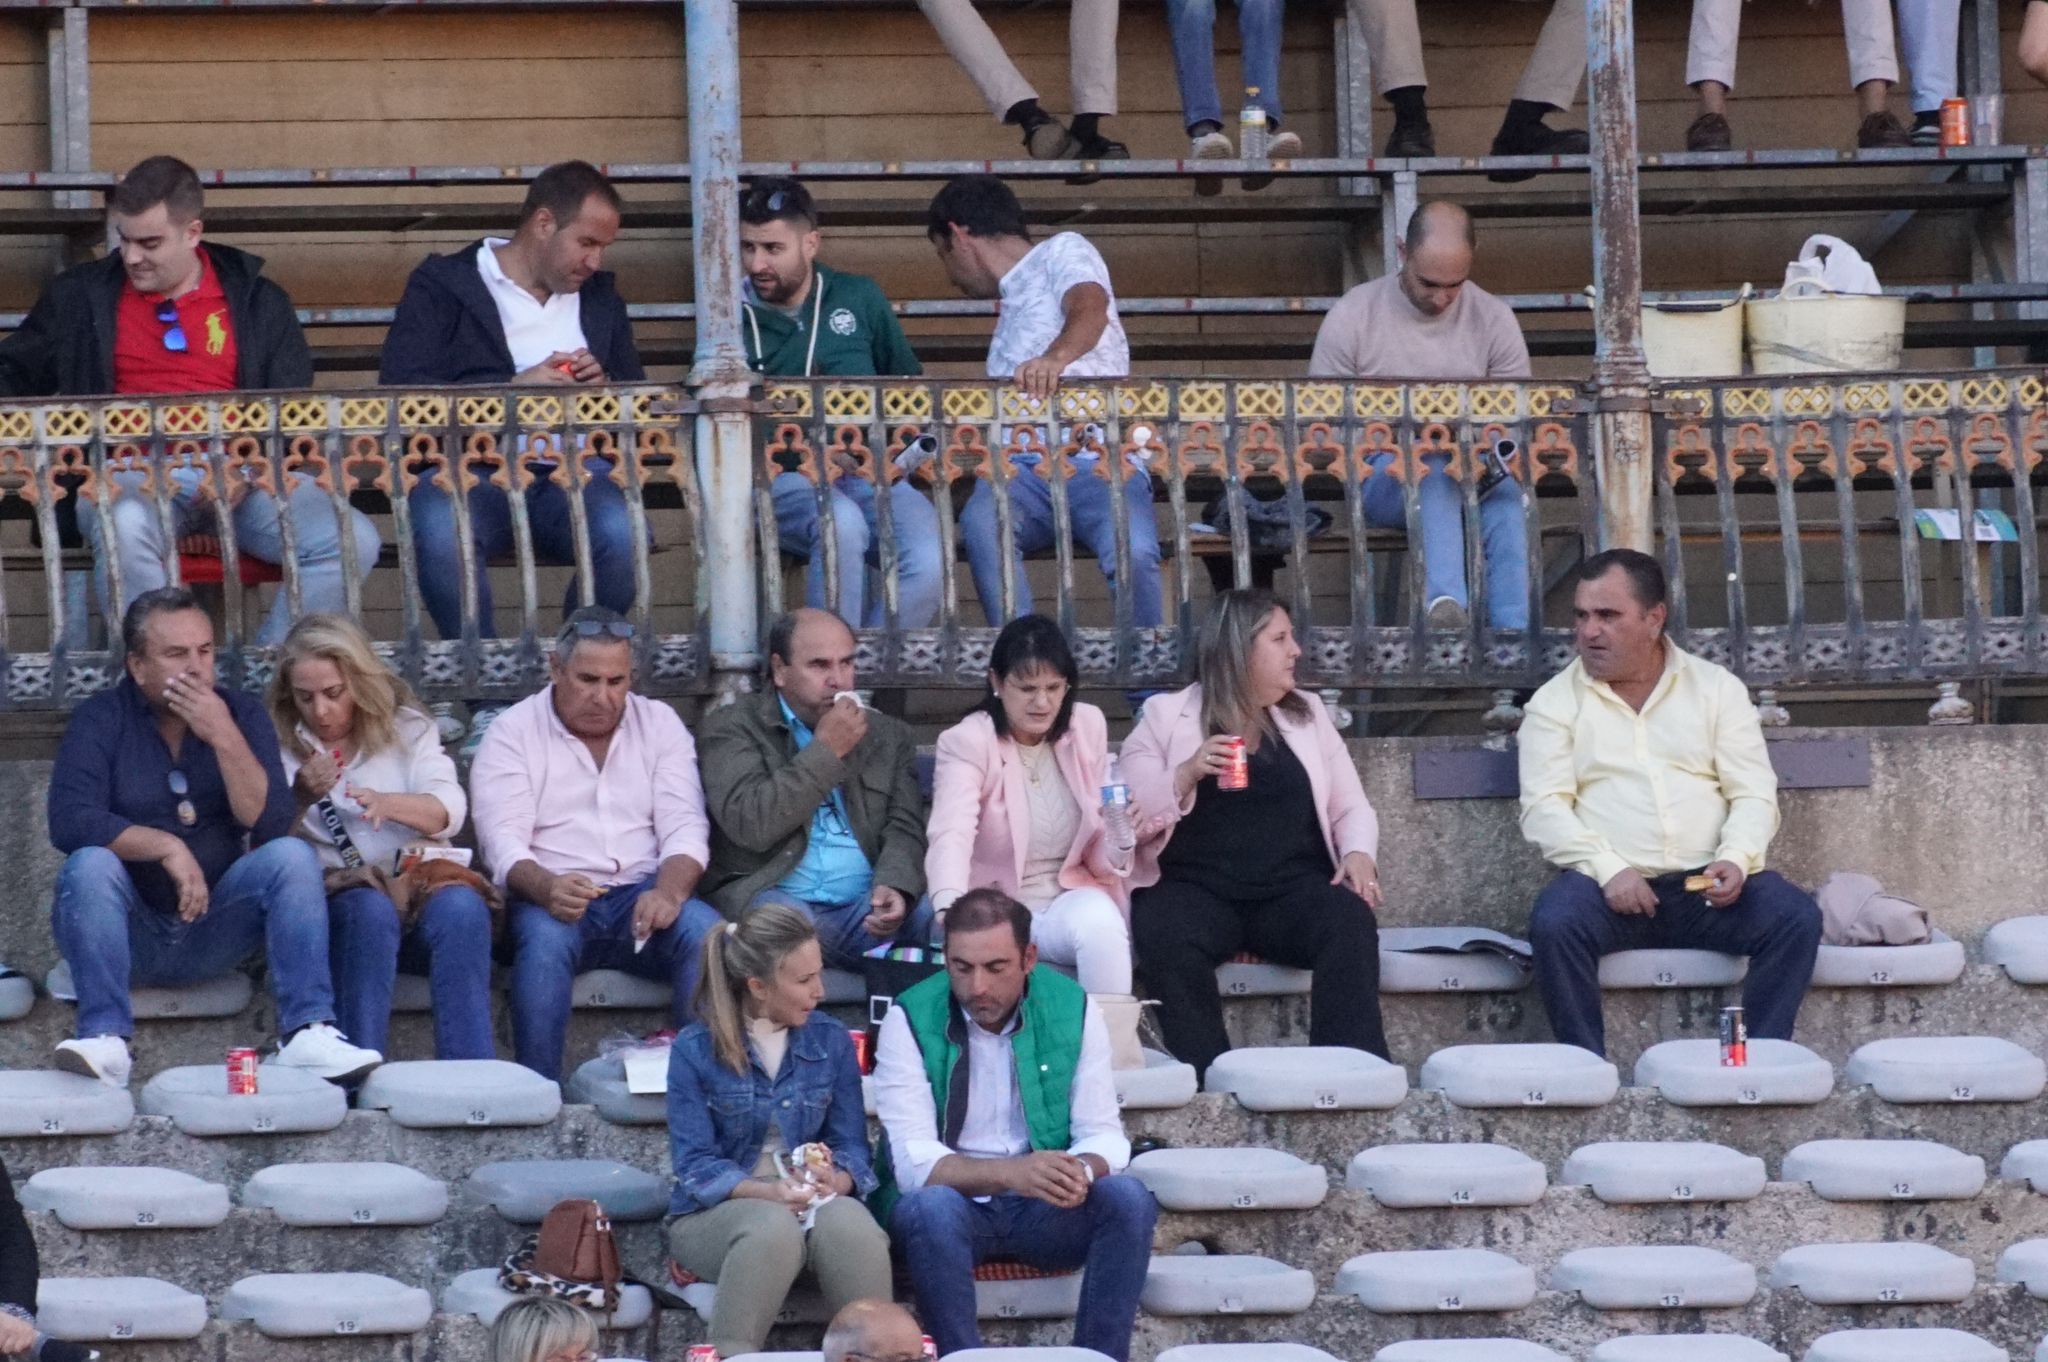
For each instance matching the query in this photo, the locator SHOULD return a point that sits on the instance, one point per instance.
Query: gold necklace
(1032, 757)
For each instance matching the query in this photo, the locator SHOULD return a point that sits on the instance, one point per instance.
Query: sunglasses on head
(174, 333)
(604, 628)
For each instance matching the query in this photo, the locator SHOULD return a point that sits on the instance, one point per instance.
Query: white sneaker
(321, 1050)
(102, 1057)
(1284, 146)
(1210, 146)
(1445, 613)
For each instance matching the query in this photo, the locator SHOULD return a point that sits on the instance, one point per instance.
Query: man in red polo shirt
(167, 314)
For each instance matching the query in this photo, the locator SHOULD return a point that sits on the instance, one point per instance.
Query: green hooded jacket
(844, 328)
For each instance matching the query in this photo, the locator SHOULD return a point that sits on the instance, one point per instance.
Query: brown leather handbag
(573, 1258)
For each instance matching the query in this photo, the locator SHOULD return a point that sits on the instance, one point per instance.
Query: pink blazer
(980, 825)
(1170, 730)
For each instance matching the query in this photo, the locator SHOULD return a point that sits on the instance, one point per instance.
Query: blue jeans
(450, 944)
(316, 540)
(840, 934)
(490, 526)
(916, 525)
(944, 1236)
(1094, 524)
(1193, 26)
(271, 901)
(1928, 31)
(1774, 922)
(548, 954)
(1503, 534)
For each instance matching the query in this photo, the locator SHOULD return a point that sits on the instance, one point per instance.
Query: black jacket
(17, 1252)
(65, 346)
(447, 331)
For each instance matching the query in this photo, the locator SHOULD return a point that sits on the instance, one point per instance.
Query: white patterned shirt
(1032, 312)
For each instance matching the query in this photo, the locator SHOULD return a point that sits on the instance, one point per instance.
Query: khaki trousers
(1091, 44)
(1716, 24)
(754, 1251)
(1393, 44)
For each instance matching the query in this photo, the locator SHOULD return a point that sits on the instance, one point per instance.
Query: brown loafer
(1709, 132)
(1882, 129)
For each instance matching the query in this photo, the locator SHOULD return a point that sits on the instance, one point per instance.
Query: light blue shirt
(834, 869)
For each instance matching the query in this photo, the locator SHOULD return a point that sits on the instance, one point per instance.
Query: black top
(1243, 844)
(17, 1255)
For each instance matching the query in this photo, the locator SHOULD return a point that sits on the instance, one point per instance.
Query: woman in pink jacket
(1016, 803)
(1282, 867)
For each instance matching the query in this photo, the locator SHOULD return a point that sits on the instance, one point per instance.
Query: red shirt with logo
(144, 364)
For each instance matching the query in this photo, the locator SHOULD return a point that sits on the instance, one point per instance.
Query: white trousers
(1084, 929)
(1716, 24)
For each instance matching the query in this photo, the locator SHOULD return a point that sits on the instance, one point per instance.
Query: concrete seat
(1260, 979)
(411, 993)
(1685, 1348)
(778, 1357)
(17, 994)
(1689, 1073)
(844, 988)
(224, 996)
(2019, 946)
(1655, 1277)
(1244, 1352)
(438, 1093)
(2026, 1263)
(1885, 1170)
(1948, 1069)
(1014, 1291)
(1939, 961)
(1433, 1281)
(125, 1309)
(1649, 1172)
(287, 1101)
(45, 1102)
(601, 1083)
(327, 1304)
(1230, 1179)
(1671, 969)
(1903, 1345)
(111, 1198)
(1422, 960)
(1164, 1084)
(523, 1191)
(336, 1194)
(1416, 1175)
(613, 988)
(477, 1293)
(1308, 1078)
(2027, 1160)
(1527, 1075)
(1048, 1354)
(1874, 1274)
(1225, 1284)
(1467, 1350)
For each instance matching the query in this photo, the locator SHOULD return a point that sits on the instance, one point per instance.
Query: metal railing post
(1621, 376)
(724, 447)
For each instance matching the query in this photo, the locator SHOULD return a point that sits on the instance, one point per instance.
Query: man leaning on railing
(168, 313)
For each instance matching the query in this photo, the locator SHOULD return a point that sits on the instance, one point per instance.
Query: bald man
(1427, 320)
(1549, 83)
(874, 1331)
(814, 799)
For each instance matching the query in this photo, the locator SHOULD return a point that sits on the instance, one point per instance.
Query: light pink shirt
(536, 795)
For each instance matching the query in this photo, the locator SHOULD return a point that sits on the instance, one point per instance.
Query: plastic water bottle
(1116, 809)
(1252, 131)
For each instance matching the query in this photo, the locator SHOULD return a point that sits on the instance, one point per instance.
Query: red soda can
(241, 1072)
(1238, 774)
(701, 1352)
(1955, 122)
(931, 1349)
(860, 1048)
(1734, 1039)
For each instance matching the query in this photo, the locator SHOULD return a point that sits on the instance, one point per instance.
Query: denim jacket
(718, 1120)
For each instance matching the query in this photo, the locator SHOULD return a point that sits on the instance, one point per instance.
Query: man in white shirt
(590, 813)
(1056, 317)
(1015, 1154)
(534, 308)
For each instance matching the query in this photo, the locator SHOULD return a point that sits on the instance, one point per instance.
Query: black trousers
(1182, 931)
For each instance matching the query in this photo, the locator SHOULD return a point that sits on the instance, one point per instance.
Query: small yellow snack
(1698, 884)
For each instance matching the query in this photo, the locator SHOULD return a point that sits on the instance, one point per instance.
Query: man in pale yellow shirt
(1641, 766)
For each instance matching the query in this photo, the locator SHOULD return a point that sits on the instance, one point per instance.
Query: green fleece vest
(1046, 1047)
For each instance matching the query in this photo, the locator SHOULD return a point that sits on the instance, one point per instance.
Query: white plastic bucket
(1693, 340)
(1826, 333)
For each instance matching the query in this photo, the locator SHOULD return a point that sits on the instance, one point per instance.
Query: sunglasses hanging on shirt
(188, 816)
(174, 332)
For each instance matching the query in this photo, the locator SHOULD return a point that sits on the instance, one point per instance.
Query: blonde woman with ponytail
(762, 1075)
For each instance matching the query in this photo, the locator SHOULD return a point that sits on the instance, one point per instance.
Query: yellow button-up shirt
(1685, 782)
